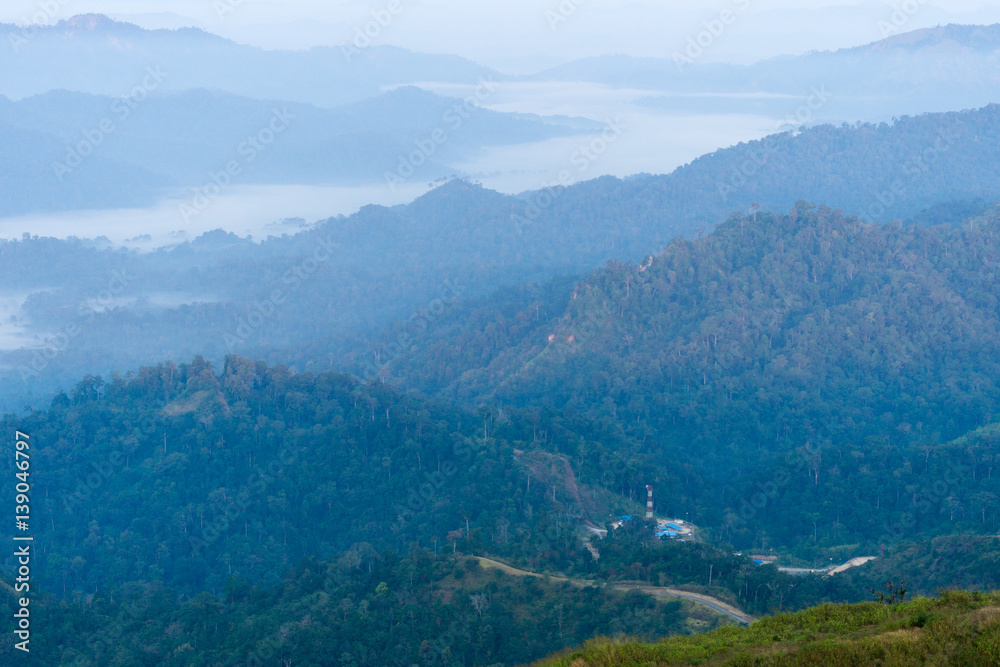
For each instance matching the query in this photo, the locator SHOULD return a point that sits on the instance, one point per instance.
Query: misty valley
(365, 355)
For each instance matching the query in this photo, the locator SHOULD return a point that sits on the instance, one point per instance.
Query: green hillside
(805, 384)
(362, 608)
(955, 629)
(809, 377)
(405, 264)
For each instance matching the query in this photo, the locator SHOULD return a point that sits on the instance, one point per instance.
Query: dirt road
(715, 604)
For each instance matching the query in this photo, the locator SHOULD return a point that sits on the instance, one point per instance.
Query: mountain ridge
(107, 58)
(359, 142)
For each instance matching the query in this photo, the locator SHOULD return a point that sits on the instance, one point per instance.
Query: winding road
(714, 604)
(710, 602)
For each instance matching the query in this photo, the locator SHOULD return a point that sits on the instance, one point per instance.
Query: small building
(763, 560)
(672, 529)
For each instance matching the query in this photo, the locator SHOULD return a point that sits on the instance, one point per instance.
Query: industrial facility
(671, 529)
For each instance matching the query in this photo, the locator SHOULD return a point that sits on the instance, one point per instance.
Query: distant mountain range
(157, 111)
(70, 150)
(94, 54)
(948, 68)
(391, 262)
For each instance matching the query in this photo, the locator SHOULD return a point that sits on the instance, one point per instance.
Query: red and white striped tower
(649, 502)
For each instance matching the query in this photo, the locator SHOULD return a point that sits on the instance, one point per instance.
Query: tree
(454, 536)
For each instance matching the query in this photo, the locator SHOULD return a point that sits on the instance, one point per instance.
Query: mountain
(183, 508)
(218, 509)
(257, 468)
(948, 68)
(184, 139)
(480, 428)
(845, 368)
(91, 53)
(878, 171)
(146, 481)
(29, 181)
(810, 377)
(947, 38)
(460, 241)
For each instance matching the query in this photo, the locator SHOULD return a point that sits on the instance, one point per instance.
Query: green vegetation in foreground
(363, 608)
(958, 628)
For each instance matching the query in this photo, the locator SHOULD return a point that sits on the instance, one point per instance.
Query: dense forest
(373, 609)
(258, 471)
(255, 469)
(808, 385)
(844, 370)
(344, 284)
(745, 412)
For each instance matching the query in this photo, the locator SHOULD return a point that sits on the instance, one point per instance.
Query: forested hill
(177, 510)
(806, 382)
(877, 171)
(837, 355)
(184, 476)
(391, 262)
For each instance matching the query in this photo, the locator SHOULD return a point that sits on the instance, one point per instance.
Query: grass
(957, 628)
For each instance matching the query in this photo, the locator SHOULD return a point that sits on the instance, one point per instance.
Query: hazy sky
(521, 34)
